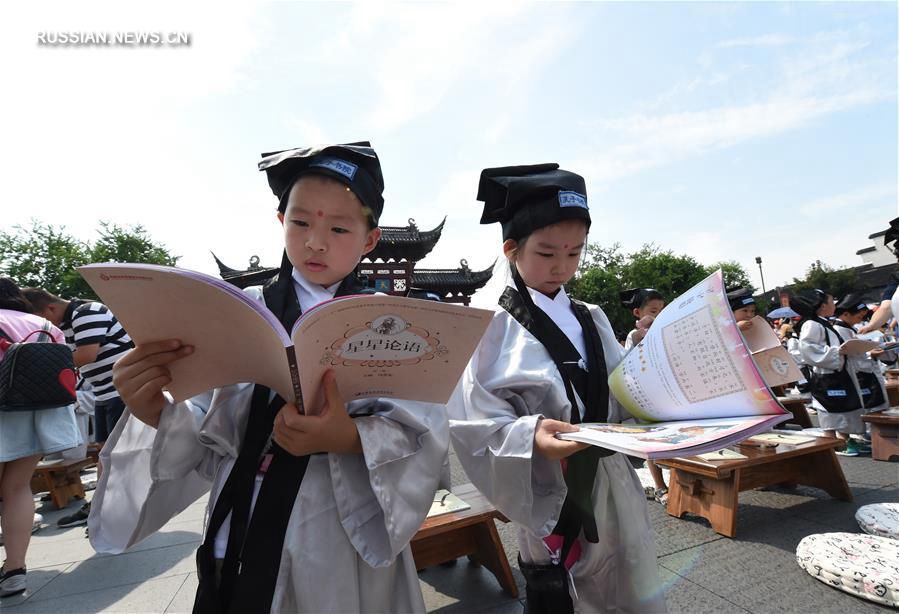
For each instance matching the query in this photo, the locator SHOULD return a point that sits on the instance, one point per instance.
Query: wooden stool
(93, 451)
(796, 406)
(470, 533)
(61, 478)
(884, 433)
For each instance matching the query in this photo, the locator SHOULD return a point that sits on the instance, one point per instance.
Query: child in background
(743, 306)
(819, 345)
(321, 521)
(584, 535)
(645, 304)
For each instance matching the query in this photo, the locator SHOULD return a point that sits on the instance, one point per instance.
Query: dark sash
(246, 579)
(590, 384)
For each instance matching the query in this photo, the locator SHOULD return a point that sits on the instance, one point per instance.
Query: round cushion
(866, 566)
(879, 519)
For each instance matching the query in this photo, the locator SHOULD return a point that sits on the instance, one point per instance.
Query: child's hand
(548, 446)
(645, 322)
(141, 374)
(745, 324)
(330, 430)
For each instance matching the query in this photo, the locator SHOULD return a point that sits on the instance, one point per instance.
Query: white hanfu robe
(820, 349)
(346, 547)
(863, 363)
(509, 385)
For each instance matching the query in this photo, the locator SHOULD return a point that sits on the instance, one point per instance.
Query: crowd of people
(299, 500)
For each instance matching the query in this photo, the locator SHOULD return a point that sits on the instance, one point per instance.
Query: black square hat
(635, 298)
(853, 303)
(355, 165)
(526, 198)
(739, 298)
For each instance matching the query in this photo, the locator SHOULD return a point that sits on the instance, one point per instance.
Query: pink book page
(235, 338)
(387, 346)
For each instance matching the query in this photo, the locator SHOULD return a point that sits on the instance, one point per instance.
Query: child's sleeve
(384, 494)
(493, 417)
(815, 349)
(152, 474)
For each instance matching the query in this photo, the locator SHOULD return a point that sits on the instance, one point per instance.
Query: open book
(694, 381)
(379, 346)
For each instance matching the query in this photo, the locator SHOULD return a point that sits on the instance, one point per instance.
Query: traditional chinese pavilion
(390, 268)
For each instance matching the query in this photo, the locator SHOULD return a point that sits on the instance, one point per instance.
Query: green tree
(606, 271)
(43, 255)
(735, 276)
(47, 256)
(838, 282)
(117, 244)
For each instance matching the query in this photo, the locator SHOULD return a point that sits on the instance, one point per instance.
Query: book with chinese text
(696, 384)
(378, 345)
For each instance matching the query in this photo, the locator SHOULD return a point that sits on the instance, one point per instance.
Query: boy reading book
(308, 513)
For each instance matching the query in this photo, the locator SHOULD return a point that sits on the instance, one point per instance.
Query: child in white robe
(577, 508)
(320, 520)
(820, 347)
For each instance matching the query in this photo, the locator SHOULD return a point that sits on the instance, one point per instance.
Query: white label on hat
(747, 301)
(342, 167)
(568, 198)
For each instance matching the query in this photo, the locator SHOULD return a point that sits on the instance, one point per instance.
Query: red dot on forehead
(320, 213)
(566, 246)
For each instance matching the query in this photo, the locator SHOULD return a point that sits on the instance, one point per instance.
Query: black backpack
(36, 375)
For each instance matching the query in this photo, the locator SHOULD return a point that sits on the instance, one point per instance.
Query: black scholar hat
(355, 165)
(526, 198)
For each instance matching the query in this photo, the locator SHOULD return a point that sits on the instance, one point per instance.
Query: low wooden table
(470, 533)
(62, 479)
(884, 434)
(710, 488)
(893, 392)
(797, 407)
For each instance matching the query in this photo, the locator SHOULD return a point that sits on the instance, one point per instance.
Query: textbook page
(235, 337)
(693, 364)
(387, 346)
(671, 439)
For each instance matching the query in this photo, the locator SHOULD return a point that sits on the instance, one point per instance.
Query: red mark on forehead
(320, 213)
(566, 246)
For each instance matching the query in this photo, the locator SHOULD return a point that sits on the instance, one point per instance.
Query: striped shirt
(90, 323)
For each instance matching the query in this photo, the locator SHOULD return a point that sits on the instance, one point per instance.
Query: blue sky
(721, 130)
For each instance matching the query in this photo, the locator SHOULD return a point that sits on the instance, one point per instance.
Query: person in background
(25, 436)
(645, 304)
(743, 306)
(97, 340)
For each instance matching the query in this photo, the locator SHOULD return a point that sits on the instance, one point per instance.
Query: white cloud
(852, 202)
(764, 40)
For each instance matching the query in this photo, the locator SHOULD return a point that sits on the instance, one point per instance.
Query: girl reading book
(308, 513)
(583, 528)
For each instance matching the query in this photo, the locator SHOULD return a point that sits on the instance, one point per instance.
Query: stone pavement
(701, 570)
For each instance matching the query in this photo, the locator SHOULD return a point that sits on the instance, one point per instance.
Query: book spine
(295, 378)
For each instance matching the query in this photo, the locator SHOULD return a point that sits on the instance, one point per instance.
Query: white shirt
(559, 311)
(309, 294)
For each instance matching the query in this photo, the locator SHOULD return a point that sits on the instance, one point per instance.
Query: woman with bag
(25, 436)
(835, 392)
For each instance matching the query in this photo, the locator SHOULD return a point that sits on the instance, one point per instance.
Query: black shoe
(12, 582)
(76, 519)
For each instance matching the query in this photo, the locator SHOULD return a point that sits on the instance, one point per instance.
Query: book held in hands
(378, 345)
(693, 381)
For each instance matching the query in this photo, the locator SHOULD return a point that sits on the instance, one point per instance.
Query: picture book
(693, 382)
